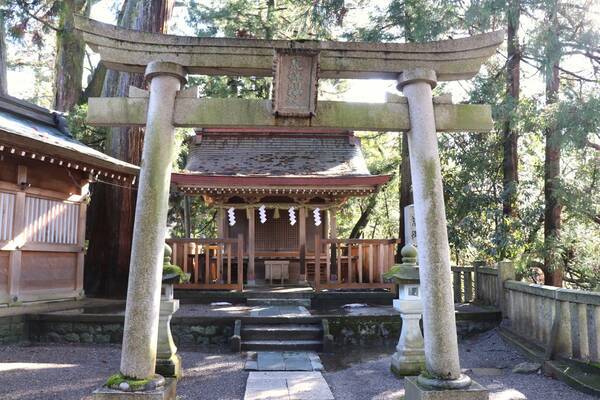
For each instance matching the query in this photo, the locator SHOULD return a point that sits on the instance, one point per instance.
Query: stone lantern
(168, 362)
(409, 358)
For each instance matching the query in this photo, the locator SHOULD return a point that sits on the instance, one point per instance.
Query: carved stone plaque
(295, 82)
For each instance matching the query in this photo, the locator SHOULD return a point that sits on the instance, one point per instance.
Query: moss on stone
(134, 384)
(170, 269)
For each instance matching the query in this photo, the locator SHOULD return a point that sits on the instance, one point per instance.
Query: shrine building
(278, 188)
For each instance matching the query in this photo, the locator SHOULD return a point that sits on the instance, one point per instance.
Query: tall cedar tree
(112, 210)
(70, 51)
(510, 165)
(3, 83)
(553, 268)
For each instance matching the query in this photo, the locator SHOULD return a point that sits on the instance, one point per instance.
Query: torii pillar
(439, 322)
(140, 334)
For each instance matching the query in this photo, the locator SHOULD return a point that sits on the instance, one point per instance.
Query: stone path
(287, 386)
(283, 361)
(279, 375)
(285, 376)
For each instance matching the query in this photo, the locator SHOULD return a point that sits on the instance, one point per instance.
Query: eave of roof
(200, 180)
(26, 127)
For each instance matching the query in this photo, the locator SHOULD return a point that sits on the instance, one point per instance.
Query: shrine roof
(276, 153)
(35, 132)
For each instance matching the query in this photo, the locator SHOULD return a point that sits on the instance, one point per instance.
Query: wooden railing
(212, 263)
(352, 263)
(564, 322)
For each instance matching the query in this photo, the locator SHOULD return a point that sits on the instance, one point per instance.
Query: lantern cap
(403, 274)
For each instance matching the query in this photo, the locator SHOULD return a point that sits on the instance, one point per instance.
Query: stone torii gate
(296, 67)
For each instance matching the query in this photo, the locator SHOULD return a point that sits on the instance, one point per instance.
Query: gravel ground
(372, 380)
(72, 372)
(66, 372)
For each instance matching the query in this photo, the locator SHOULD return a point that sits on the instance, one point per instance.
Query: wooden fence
(353, 263)
(480, 283)
(563, 322)
(212, 263)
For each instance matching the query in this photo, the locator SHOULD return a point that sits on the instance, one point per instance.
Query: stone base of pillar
(302, 278)
(408, 363)
(170, 368)
(166, 392)
(251, 282)
(416, 391)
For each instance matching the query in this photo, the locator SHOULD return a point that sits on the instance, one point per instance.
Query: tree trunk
(3, 76)
(95, 84)
(510, 166)
(553, 265)
(363, 220)
(405, 195)
(70, 50)
(112, 210)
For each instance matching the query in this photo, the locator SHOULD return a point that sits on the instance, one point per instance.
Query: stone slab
(487, 371)
(414, 391)
(270, 361)
(280, 311)
(287, 386)
(298, 363)
(283, 361)
(168, 392)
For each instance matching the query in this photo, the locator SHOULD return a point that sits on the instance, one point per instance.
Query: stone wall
(109, 329)
(366, 329)
(208, 332)
(13, 329)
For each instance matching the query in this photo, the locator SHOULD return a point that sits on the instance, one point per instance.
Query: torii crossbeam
(296, 67)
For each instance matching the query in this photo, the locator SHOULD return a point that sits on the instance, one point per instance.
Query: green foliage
(88, 135)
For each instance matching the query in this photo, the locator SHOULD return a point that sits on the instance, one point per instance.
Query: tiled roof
(277, 155)
(33, 126)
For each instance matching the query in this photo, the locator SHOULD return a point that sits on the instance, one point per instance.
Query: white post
(439, 324)
(138, 356)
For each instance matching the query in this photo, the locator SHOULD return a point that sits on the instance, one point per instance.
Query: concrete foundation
(166, 392)
(415, 391)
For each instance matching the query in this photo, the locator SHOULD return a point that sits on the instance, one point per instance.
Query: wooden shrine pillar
(15, 256)
(81, 238)
(333, 233)
(221, 227)
(332, 223)
(251, 276)
(302, 242)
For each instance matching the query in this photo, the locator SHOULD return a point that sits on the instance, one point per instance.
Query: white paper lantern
(262, 214)
(317, 216)
(231, 216)
(292, 214)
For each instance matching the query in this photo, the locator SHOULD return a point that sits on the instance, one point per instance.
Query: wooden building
(44, 178)
(277, 191)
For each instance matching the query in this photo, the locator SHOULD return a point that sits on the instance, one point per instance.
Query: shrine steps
(279, 297)
(282, 345)
(282, 335)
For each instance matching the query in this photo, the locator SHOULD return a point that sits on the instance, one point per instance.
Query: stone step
(286, 345)
(282, 331)
(301, 302)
